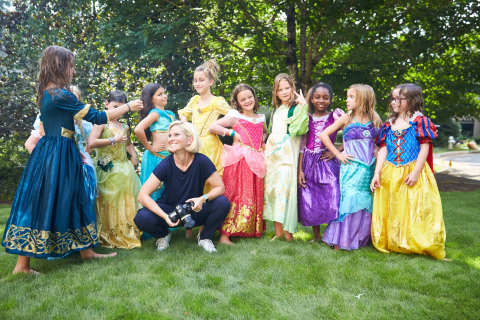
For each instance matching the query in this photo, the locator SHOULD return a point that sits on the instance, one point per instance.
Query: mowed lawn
(257, 279)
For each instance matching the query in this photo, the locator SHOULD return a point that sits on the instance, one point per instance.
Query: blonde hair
(365, 101)
(211, 69)
(189, 131)
(276, 83)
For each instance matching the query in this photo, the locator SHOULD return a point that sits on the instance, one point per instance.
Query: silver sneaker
(163, 243)
(207, 245)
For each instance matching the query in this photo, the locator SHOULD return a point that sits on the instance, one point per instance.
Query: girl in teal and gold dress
(52, 215)
(155, 123)
(118, 183)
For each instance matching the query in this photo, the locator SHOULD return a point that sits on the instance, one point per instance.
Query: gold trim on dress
(67, 133)
(45, 242)
(82, 113)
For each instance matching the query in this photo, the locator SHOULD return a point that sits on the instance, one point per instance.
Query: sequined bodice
(358, 141)
(251, 133)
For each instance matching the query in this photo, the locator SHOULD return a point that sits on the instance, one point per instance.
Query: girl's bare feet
(27, 271)
(225, 240)
(23, 266)
(288, 236)
(88, 254)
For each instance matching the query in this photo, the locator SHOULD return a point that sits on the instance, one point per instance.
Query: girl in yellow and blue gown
(118, 183)
(155, 122)
(407, 210)
(51, 214)
(204, 109)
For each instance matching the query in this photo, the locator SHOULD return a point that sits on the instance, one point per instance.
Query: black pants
(211, 217)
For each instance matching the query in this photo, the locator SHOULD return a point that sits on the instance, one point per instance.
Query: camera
(183, 212)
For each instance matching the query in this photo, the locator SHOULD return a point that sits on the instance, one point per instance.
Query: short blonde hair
(189, 131)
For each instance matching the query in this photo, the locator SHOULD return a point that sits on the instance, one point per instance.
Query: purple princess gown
(318, 201)
(351, 230)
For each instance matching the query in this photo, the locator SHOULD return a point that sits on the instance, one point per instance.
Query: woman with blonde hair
(183, 175)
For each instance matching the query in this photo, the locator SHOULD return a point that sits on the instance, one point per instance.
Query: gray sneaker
(207, 245)
(163, 243)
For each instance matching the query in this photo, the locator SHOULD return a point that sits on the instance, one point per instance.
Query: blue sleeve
(66, 100)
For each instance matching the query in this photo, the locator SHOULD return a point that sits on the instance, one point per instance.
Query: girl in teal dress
(154, 123)
(51, 214)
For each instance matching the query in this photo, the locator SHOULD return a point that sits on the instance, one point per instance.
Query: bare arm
(217, 189)
(133, 153)
(146, 200)
(120, 111)
(381, 156)
(325, 138)
(32, 142)
(220, 126)
(142, 126)
(412, 178)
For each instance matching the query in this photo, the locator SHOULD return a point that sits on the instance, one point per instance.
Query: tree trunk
(292, 41)
(303, 81)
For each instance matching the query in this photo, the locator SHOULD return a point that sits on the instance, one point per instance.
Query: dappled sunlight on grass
(473, 262)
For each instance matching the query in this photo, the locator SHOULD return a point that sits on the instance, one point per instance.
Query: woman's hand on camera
(197, 203)
(170, 223)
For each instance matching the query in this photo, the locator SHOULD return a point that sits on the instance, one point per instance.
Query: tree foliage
(126, 44)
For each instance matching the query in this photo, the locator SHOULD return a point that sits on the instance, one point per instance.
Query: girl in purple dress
(351, 230)
(318, 170)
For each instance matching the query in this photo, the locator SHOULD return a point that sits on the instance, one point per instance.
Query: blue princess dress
(151, 160)
(52, 213)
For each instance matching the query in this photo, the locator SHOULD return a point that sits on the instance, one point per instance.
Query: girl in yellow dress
(407, 210)
(204, 109)
(118, 183)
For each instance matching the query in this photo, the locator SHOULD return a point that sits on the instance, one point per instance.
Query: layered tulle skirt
(408, 219)
(318, 201)
(351, 230)
(117, 205)
(53, 209)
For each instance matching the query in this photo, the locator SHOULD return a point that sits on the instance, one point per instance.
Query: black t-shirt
(179, 185)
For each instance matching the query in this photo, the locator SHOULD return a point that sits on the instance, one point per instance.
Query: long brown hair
(366, 101)
(234, 99)
(276, 82)
(413, 95)
(56, 64)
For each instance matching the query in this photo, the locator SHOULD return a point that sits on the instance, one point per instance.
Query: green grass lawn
(257, 279)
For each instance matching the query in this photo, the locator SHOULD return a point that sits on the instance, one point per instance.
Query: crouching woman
(183, 174)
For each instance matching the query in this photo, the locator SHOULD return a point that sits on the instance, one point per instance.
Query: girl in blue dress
(52, 215)
(154, 123)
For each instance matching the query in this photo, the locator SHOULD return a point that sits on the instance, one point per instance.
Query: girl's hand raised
(344, 158)
(135, 105)
(299, 98)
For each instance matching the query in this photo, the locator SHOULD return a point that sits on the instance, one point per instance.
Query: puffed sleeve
(65, 100)
(298, 122)
(425, 130)
(187, 111)
(382, 134)
(338, 113)
(222, 106)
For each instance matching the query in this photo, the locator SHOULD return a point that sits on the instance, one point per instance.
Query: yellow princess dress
(118, 187)
(202, 119)
(407, 219)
